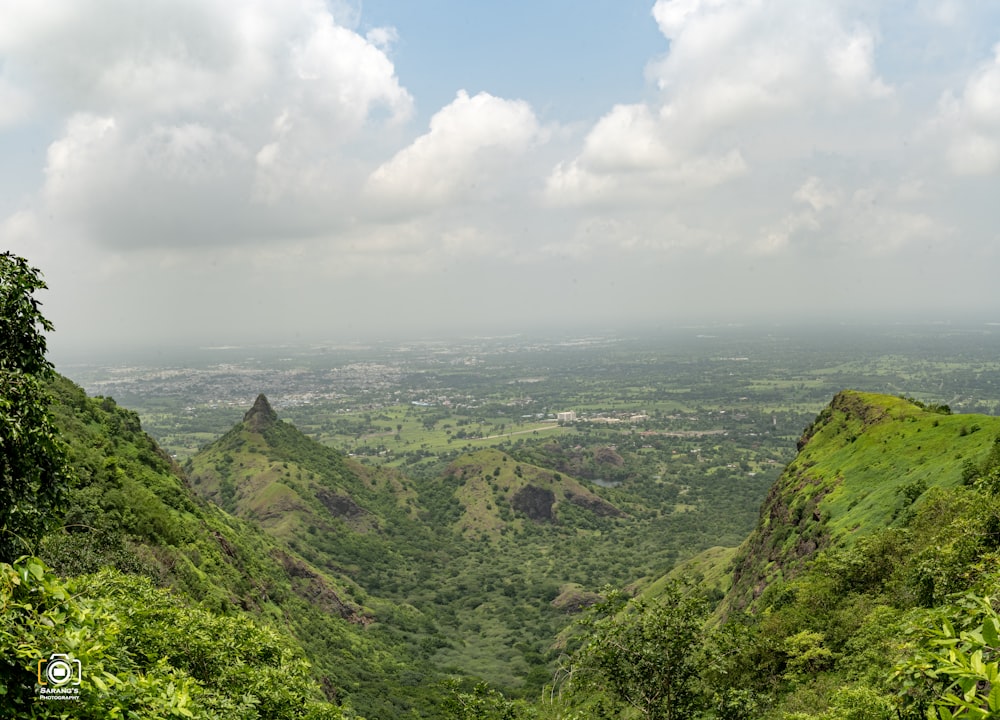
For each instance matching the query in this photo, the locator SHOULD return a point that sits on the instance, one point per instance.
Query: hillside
(499, 494)
(456, 566)
(860, 467)
(869, 539)
(132, 509)
(868, 589)
(864, 465)
(281, 475)
(266, 471)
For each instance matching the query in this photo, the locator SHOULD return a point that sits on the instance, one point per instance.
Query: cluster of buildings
(571, 416)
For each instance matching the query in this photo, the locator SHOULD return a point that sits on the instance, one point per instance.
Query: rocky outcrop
(573, 599)
(261, 416)
(597, 505)
(311, 586)
(535, 502)
(339, 505)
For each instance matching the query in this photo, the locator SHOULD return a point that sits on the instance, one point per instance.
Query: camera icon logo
(59, 670)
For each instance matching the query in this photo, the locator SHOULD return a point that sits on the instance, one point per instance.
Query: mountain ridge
(863, 462)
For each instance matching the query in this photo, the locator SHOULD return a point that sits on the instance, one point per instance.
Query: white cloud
(151, 58)
(974, 154)
(209, 144)
(382, 37)
(627, 139)
(780, 235)
(872, 221)
(731, 58)
(630, 156)
(470, 141)
(15, 104)
(817, 195)
(137, 187)
(739, 74)
(345, 74)
(89, 141)
(20, 231)
(971, 122)
(199, 122)
(943, 12)
(851, 62)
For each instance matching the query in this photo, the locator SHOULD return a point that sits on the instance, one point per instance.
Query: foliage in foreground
(955, 662)
(130, 509)
(896, 625)
(643, 654)
(143, 653)
(33, 470)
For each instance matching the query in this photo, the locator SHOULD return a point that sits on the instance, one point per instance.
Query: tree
(644, 652)
(483, 703)
(33, 470)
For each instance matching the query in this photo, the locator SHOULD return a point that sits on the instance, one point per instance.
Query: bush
(142, 652)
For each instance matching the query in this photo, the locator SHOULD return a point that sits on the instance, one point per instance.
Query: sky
(211, 172)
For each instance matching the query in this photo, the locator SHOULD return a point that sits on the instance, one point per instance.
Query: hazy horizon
(183, 352)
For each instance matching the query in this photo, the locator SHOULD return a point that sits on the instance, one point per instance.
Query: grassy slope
(132, 508)
(862, 466)
(499, 494)
(865, 464)
(888, 509)
(357, 522)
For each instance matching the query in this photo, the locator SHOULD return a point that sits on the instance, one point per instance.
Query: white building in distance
(569, 416)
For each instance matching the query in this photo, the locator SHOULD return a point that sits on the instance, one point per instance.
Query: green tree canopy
(33, 470)
(144, 653)
(643, 653)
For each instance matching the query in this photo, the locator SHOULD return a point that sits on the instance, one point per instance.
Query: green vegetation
(489, 554)
(461, 564)
(752, 388)
(886, 511)
(147, 653)
(824, 622)
(138, 652)
(825, 626)
(132, 509)
(32, 468)
(863, 465)
(643, 654)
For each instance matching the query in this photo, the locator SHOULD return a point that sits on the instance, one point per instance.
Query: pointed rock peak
(261, 416)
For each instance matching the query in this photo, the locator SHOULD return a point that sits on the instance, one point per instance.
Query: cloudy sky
(215, 171)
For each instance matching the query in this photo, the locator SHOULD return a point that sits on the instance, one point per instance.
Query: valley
(515, 528)
(446, 506)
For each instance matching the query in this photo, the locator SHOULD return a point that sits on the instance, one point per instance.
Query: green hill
(132, 509)
(867, 559)
(461, 568)
(338, 513)
(864, 465)
(868, 589)
(499, 494)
